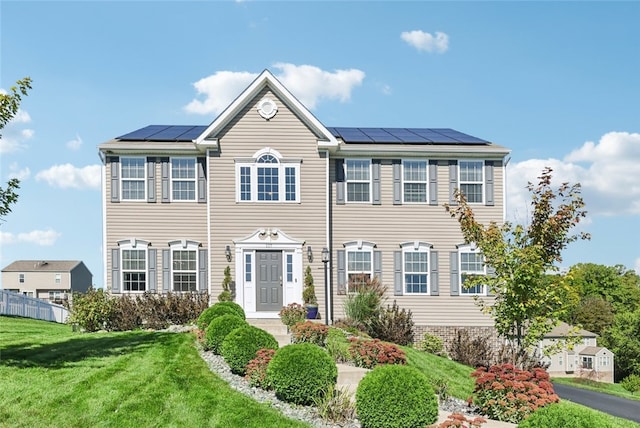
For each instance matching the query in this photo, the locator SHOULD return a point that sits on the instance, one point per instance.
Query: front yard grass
(52, 377)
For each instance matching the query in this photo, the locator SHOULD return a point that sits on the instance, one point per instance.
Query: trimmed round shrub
(561, 415)
(215, 311)
(233, 305)
(219, 328)
(393, 396)
(241, 345)
(301, 373)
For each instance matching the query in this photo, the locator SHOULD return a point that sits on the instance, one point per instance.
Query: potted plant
(309, 295)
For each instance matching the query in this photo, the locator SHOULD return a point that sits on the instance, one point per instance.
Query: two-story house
(266, 186)
(584, 359)
(52, 280)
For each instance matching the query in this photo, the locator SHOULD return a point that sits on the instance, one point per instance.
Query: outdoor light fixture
(327, 292)
(227, 252)
(309, 254)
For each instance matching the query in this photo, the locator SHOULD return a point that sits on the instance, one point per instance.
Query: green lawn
(607, 388)
(456, 376)
(52, 377)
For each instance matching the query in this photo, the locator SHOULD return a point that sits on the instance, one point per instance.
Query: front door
(269, 287)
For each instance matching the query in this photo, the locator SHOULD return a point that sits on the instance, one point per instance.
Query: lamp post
(327, 295)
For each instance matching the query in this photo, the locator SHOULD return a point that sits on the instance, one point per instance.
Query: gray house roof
(591, 350)
(42, 266)
(562, 330)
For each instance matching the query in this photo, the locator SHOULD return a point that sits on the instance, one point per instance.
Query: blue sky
(556, 82)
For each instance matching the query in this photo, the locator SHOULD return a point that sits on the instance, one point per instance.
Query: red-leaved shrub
(256, 372)
(368, 353)
(309, 332)
(459, 420)
(508, 394)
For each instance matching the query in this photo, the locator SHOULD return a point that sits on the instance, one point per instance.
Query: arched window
(268, 177)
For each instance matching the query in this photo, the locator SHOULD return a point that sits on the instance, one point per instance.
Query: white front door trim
(245, 261)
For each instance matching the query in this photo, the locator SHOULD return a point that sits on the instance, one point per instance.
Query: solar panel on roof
(142, 133)
(406, 136)
(164, 133)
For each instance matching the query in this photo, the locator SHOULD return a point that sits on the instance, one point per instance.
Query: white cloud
(308, 83)
(38, 237)
(14, 134)
(20, 174)
(68, 176)
(604, 170)
(427, 42)
(74, 144)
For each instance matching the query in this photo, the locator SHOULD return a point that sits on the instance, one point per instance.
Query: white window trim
(416, 247)
(474, 250)
(347, 181)
(144, 179)
(184, 245)
(482, 182)
(134, 244)
(21, 278)
(194, 180)
(358, 247)
(426, 182)
(282, 165)
(57, 278)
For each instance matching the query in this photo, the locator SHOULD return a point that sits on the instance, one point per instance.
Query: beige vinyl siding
(389, 225)
(157, 223)
(34, 281)
(231, 220)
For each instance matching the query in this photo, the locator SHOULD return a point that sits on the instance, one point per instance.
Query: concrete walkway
(348, 376)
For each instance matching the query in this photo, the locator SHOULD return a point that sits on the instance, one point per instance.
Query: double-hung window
(268, 177)
(472, 180)
(359, 266)
(21, 278)
(58, 278)
(184, 270)
(415, 268)
(133, 178)
(414, 181)
(358, 177)
(183, 179)
(471, 264)
(587, 363)
(134, 269)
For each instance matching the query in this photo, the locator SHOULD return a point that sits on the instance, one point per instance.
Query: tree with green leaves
(527, 302)
(9, 105)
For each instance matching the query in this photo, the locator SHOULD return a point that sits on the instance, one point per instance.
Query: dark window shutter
(434, 280)
(115, 270)
(433, 182)
(489, 184)
(165, 180)
(377, 265)
(397, 273)
(203, 263)
(166, 271)
(397, 182)
(151, 180)
(375, 173)
(202, 180)
(455, 274)
(114, 161)
(153, 272)
(340, 186)
(342, 271)
(453, 181)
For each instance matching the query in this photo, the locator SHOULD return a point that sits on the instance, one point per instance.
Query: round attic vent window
(267, 108)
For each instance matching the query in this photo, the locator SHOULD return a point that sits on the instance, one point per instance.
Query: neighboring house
(266, 186)
(51, 280)
(585, 359)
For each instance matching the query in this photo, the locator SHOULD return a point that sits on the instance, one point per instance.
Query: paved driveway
(616, 406)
